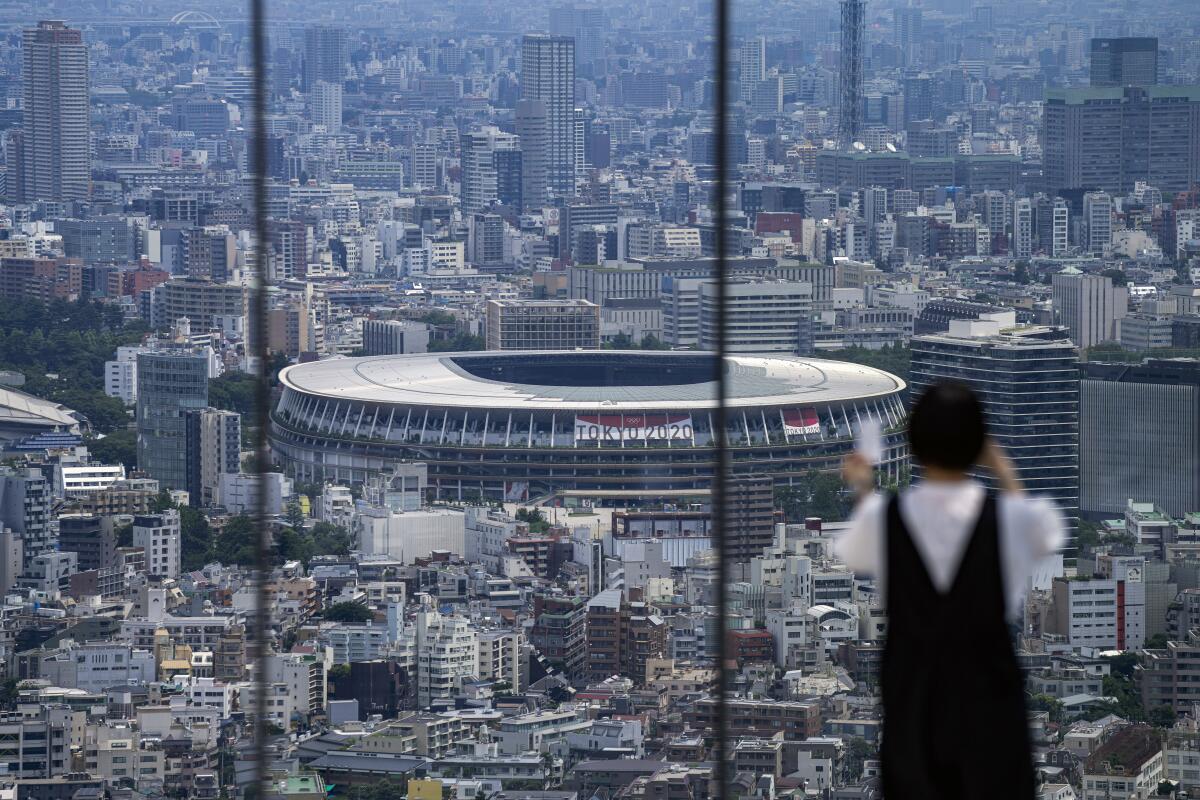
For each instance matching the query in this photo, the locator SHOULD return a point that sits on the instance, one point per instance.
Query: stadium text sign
(632, 427)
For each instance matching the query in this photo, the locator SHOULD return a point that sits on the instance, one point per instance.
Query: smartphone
(870, 440)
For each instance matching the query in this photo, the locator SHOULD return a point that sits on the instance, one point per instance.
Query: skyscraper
(170, 384)
(324, 55)
(1028, 383)
(1129, 61)
(586, 25)
(1089, 306)
(908, 32)
(851, 75)
(753, 67)
(55, 152)
(1097, 222)
(548, 76)
(326, 101)
(1139, 435)
(480, 178)
(1108, 139)
(532, 129)
(214, 439)
(1022, 243)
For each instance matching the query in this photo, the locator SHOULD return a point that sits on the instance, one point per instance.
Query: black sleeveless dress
(955, 725)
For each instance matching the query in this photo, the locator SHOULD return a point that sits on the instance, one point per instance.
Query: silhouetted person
(953, 561)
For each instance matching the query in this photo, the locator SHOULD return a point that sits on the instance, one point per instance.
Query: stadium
(596, 424)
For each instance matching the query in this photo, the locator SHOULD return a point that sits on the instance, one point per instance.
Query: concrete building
(761, 317)
(170, 384)
(383, 337)
(325, 100)
(484, 156)
(214, 441)
(447, 655)
(25, 497)
(1125, 61)
(325, 55)
(159, 535)
(1097, 222)
(1028, 382)
(548, 78)
(1139, 436)
(1107, 612)
(1128, 766)
(542, 325)
(1094, 138)
(54, 149)
(1090, 306)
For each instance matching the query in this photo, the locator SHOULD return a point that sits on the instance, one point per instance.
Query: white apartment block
(160, 536)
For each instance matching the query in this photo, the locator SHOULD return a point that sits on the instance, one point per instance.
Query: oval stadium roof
(585, 379)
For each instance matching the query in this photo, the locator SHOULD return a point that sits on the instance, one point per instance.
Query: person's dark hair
(946, 427)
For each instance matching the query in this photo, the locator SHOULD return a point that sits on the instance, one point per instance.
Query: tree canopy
(352, 613)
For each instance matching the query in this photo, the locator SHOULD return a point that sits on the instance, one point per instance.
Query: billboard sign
(798, 421)
(632, 427)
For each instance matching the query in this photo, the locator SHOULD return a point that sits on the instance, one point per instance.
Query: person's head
(946, 428)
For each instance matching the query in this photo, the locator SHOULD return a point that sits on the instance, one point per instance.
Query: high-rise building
(907, 32)
(25, 496)
(92, 538)
(1060, 219)
(447, 654)
(622, 636)
(385, 337)
(587, 25)
(1028, 382)
(159, 535)
(170, 384)
(1097, 222)
(481, 168)
(851, 72)
(1139, 436)
(1127, 61)
(762, 316)
(214, 440)
(542, 325)
(54, 149)
(1109, 139)
(548, 76)
(485, 236)
(753, 67)
(1090, 306)
(533, 132)
(325, 55)
(1022, 241)
(325, 99)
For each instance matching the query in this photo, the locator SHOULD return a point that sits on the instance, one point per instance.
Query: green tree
(118, 447)
(233, 391)
(1156, 642)
(459, 342)
(1161, 716)
(1044, 702)
(534, 518)
(353, 613)
(814, 494)
(295, 514)
(235, 542)
(1117, 276)
(896, 359)
(652, 342)
(195, 538)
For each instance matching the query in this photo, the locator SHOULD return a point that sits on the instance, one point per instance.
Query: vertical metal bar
(719, 510)
(262, 390)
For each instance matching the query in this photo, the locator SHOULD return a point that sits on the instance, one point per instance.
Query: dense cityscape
(490, 263)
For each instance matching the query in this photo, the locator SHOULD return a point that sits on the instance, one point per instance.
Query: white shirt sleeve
(861, 546)
(1037, 522)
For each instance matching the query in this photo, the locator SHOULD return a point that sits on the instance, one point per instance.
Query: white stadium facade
(595, 423)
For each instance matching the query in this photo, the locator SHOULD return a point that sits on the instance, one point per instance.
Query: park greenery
(234, 542)
(896, 359)
(60, 347)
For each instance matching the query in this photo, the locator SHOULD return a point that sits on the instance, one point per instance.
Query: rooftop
(586, 379)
